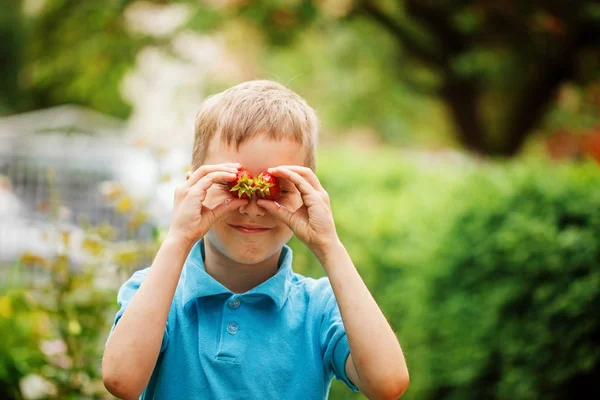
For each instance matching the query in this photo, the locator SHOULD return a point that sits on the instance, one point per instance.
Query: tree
(495, 64)
(11, 32)
(66, 51)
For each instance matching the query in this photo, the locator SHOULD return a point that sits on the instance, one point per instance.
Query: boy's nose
(252, 209)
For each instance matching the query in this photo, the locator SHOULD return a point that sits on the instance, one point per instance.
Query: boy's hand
(313, 222)
(191, 219)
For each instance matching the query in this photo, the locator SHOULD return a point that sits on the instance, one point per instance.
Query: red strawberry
(243, 185)
(267, 186)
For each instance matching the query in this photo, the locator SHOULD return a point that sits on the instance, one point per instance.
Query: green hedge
(512, 308)
(388, 211)
(490, 274)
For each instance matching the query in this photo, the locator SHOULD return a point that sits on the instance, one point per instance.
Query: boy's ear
(187, 175)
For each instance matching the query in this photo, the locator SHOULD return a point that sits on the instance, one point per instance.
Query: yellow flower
(5, 307)
(74, 327)
(124, 205)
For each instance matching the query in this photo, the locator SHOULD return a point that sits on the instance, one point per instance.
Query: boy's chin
(242, 253)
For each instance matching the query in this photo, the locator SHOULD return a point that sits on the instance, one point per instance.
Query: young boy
(220, 314)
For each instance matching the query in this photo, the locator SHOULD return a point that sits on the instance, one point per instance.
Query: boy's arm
(133, 348)
(376, 365)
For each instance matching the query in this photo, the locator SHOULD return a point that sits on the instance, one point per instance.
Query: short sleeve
(124, 297)
(333, 339)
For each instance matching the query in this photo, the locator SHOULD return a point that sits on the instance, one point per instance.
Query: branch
(460, 93)
(535, 97)
(408, 41)
(462, 96)
(449, 40)
(589, 34)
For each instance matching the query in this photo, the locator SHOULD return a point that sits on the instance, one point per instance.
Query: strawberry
(267, 186)
(243, 185)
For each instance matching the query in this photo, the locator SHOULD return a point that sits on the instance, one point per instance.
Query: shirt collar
(198, 283)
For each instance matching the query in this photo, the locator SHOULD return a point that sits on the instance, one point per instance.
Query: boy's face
(255, 155)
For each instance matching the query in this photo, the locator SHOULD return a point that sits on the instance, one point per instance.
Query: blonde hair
(252, 108)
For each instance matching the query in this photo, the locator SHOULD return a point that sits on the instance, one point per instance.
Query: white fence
(81, 164)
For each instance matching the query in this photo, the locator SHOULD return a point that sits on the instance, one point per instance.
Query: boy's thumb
(227, 205)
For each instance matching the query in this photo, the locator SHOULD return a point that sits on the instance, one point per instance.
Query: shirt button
(234, 303)
(232, 328)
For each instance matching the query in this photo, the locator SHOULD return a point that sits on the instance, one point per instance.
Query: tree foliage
(496, 66)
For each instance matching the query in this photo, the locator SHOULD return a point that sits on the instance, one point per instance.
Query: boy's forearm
(375, 350)
(134, 345)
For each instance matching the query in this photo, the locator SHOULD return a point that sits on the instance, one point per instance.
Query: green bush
(489, 274)
(54, 326)
(55, 332)
(19, 351)
(511, 309)
(388, 211)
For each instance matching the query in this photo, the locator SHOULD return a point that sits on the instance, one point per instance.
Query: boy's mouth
(250, 228)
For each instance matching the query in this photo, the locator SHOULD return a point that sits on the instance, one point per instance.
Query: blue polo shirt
(283, 339)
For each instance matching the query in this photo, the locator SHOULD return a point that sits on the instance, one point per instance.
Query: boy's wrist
(180, 242)
(329, 252)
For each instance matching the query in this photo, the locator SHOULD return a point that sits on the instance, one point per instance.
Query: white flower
(53, 347)
(36, 387)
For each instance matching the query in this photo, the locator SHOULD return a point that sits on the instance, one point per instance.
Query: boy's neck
(237, 277)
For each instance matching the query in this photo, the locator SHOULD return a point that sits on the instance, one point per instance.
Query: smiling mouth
(249, 230)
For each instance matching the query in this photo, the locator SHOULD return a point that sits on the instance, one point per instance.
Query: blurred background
(473, 127)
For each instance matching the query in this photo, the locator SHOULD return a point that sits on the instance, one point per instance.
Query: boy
(220, 314)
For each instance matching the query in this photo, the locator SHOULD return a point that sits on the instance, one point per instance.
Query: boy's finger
(305, 172)
(299, 181)
(277, 210)
(207, 181)
(226, 206)
(206, 169)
